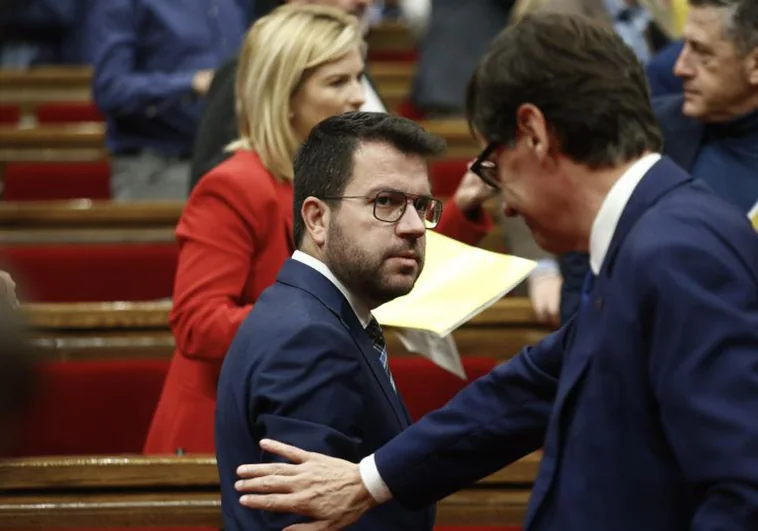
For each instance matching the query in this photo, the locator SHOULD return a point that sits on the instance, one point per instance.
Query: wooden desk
(82, 491)
(95, 331)
(27, 88)
(86, 142)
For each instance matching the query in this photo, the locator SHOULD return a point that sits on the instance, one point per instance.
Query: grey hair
(742, 21)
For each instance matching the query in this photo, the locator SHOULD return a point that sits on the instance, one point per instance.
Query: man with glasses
(644, 403)
(309, 364)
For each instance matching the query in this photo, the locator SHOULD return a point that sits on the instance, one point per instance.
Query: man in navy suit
(645, 402)
(309, 365)
(711, 129)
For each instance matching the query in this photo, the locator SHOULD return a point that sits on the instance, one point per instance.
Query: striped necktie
(374, 332)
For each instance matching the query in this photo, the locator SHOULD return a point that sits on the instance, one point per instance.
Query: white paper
(441, 350)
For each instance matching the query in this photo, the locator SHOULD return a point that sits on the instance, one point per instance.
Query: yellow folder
(458, 282)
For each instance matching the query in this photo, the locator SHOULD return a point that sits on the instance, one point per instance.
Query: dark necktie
(589, 283)
(374, 332)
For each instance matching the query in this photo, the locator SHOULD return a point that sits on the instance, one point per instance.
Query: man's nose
(411, 223)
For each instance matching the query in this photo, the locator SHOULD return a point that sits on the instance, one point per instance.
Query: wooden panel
(132, 471)
(88, 213)
(484, 507)
(505, 312)
(391, 36)
(45, 84)
(86, 236)
(468, 507)
(114, 510)
(89, 331)
(37, 473)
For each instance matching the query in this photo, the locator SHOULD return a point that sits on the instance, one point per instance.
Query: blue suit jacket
(646, 401)
(683, 137)
(302, 370)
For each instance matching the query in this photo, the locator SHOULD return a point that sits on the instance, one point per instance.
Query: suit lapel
(588, 323)
(304, 277)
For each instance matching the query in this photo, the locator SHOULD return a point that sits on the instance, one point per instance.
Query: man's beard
(365, 274)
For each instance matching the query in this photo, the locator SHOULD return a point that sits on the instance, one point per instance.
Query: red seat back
(92, 273)
(446, 175)
(68, 112)
(426, 387)
(9, 114)
(91, 407)
(43, 181)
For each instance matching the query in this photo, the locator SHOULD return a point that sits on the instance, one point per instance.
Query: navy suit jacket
(303, 371)
(646, 401)
(683, 137)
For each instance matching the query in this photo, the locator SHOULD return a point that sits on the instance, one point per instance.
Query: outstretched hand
(326, 489)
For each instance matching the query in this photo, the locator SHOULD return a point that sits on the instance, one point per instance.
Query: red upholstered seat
(406, 109)
(91, 273)
(9, 114)
(91, 407)
(446, 175)
(42, 181)
(426, 387)
(68, 112)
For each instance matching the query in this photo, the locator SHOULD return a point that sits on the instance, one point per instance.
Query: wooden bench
(28, 88)
(86, 142)
(131, 491)
(96, 331)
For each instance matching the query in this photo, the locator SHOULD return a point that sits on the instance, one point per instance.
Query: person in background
(711, 127)
(309, 364)
(644, 404)
(44, 32)
(298, 66)
(218, 123)
(154, 61)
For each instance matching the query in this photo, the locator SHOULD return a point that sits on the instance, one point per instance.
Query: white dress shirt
(362, 312)
(600, 239)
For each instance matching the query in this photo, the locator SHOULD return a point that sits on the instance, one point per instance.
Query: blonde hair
(279, 53)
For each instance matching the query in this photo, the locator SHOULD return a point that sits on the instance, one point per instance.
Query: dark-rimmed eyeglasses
(390, 205)
(486, 169)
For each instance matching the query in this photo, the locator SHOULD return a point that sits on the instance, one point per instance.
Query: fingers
(291, 453)
(266, 469)
(270, 502)
(267, 484)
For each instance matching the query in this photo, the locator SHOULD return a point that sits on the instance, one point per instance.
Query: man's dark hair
(586, 81)
(324, 163)
(742, 26)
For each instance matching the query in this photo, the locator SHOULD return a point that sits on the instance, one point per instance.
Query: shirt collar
(362, 312)
(612, 207)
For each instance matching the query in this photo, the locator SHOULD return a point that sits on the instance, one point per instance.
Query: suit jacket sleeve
(489, 424)
(704, 369)
(309, 394)
(217, 246)
(455, 224)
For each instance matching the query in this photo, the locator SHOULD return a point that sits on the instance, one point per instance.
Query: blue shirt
(631, 23)
(146, 54)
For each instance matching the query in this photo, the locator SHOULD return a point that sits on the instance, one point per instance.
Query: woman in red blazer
(298, 66)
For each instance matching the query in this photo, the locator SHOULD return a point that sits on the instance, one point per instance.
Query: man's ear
(751, 67)
(316, 219)
(533, 128)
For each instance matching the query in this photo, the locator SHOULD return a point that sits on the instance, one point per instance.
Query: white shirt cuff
(546, 266)
(373, 481)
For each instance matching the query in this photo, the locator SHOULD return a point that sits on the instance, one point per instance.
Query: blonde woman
(298, 66)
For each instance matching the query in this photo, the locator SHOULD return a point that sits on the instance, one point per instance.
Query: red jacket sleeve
(456, 225)
(216, 236)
